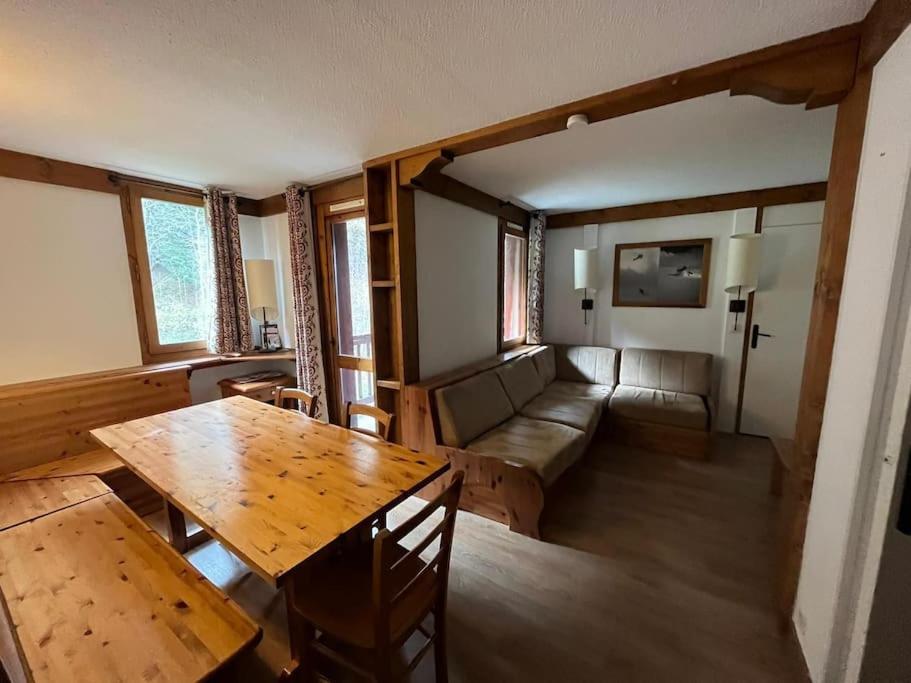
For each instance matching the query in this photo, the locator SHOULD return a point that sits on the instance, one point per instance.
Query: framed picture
(272, 341)
(669, 274)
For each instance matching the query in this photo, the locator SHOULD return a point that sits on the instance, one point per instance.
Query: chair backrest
(405, 578)
(686, 372)
(306, 402)
(383, 419)
(590, 364)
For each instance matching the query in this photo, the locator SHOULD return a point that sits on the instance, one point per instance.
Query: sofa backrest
(545, 364)
(471, 407)
(520, 380)
(686, 372)
(591, 364)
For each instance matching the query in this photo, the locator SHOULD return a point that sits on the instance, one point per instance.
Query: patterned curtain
(310, 374)
(536, 278)
(230, 328)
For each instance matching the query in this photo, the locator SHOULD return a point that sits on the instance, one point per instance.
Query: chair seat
(547, 447)
(581, 413)
(341, 599)
(98, 462)
(597, 392)
(660, 407)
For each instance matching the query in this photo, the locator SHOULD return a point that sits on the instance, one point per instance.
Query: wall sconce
(585, 262)
(743, 270)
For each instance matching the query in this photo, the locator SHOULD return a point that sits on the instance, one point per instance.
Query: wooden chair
(383, 419)
(377, 601)
(306, 402)
(383, 425)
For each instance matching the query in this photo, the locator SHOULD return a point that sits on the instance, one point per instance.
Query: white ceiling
(698, 147)
(251, 95)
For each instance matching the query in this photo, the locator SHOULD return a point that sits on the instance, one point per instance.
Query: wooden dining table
(277, 488)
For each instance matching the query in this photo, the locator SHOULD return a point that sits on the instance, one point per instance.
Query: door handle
(754, 338)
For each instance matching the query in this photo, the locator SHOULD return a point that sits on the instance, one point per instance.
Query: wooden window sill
(214, 361)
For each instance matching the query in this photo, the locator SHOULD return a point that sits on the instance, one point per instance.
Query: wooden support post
(830, 269)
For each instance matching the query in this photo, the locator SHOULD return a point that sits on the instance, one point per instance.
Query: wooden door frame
(328, 318)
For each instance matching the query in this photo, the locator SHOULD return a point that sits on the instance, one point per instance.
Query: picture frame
(666, 274)
(271, 338)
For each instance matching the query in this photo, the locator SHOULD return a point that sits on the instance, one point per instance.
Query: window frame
(506, 228)
(141, 277)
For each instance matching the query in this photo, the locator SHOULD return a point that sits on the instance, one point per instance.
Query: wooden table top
(90, 593)
(272, 485)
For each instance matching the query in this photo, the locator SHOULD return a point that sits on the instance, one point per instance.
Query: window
(513, 279)
(172, 250)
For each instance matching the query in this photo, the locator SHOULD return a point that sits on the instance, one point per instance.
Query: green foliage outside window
(180, 262)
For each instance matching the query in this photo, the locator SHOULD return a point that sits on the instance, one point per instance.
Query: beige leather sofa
(663, 401)
(529, 419)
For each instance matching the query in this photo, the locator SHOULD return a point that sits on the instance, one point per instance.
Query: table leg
(177, 528)
(300, 635)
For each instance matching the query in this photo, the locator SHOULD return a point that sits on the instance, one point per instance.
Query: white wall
(66, 299)
(848, 449)
(65, 296)
(457, 284)
(709, 329)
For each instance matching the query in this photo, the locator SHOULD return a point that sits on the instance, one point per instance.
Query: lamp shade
(743, 264)
(585, 262)
(261, 288)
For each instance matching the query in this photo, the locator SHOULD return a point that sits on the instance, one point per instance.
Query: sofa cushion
(521, 381)
(581, 413)
(592, 364)
(596, 392)
(683, 371)
(661, 407)
(547, 447)
(471, 407)
(545, 364)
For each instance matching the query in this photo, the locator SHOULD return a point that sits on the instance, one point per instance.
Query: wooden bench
(23, 501)
(90, 593)
(44, 425)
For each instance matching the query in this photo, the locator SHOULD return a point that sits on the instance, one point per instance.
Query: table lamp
(262, 298)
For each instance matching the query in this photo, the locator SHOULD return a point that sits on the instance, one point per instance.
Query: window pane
(357, 387)
(352, 288)
(514, 276)
(180, 263)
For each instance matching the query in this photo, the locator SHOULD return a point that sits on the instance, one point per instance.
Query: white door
(781, 310)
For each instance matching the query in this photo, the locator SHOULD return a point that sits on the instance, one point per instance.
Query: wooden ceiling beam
(774, 196)
(882, 26)
(676, 87)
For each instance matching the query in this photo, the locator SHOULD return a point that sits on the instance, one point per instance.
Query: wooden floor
(653, 568)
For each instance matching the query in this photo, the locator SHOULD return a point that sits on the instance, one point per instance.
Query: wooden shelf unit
(393, 274)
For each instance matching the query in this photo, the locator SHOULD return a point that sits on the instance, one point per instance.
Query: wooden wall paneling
(830, 268)
(675, 87)
(44, 420)
(774, 196)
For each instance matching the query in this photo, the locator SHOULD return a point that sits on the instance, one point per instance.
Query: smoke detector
(577, 120)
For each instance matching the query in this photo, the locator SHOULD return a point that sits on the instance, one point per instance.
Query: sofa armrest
(499, 489)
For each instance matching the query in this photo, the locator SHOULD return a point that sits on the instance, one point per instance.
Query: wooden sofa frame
(509, 492)
(503, 491)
